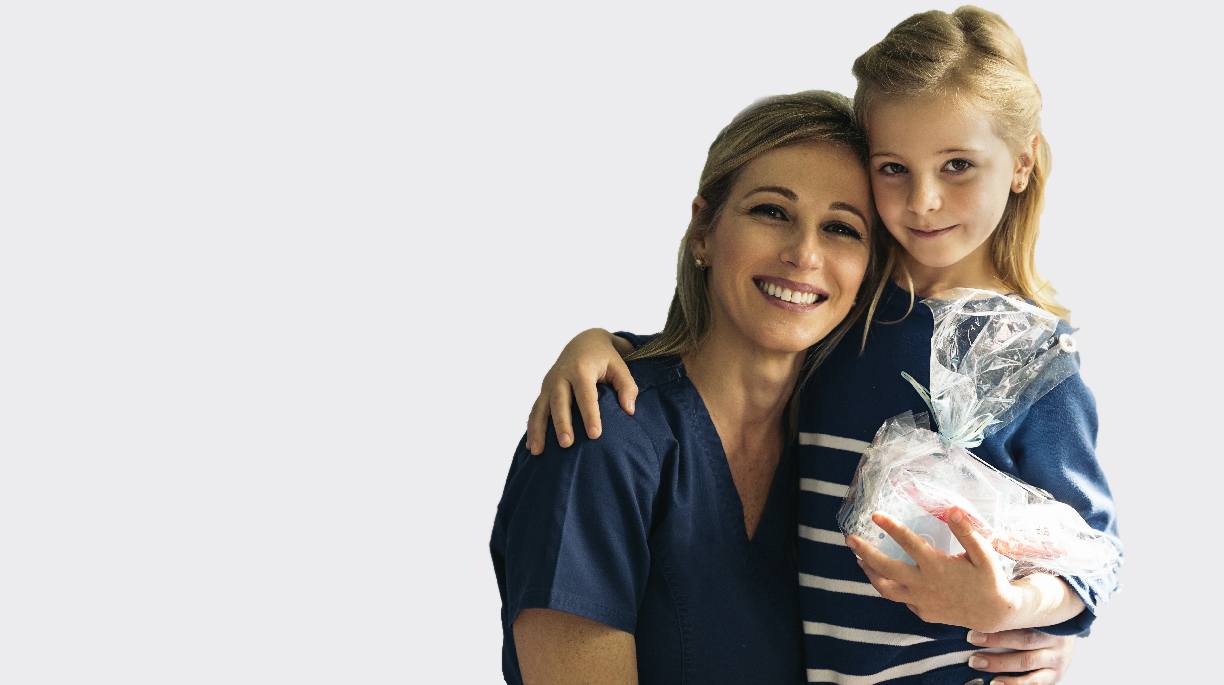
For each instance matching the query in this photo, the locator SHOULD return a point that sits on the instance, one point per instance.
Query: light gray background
(278, 282)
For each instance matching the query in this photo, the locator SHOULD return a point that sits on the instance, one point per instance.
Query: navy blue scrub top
(643, 530)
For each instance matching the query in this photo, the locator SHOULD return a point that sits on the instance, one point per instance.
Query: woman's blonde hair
(973, 55)
(771, 123)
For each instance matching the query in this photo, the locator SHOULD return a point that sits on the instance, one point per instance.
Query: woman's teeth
(792, 296)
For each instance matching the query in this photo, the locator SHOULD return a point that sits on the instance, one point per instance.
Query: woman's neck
(746, 391)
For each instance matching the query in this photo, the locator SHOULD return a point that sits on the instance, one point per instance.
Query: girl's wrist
(1021, 601)
(1040, 600)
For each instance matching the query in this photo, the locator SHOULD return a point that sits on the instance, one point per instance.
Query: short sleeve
(1054, 448)
(634, 339)
(572, 529)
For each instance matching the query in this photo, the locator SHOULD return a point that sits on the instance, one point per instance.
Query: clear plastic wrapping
(991, 356)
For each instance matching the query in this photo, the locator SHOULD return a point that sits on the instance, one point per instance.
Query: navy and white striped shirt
(851, 634)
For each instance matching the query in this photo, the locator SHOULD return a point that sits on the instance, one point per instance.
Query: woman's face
(790, 247)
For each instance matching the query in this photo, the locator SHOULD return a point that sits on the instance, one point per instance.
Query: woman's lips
(771, 289)
(931, 233)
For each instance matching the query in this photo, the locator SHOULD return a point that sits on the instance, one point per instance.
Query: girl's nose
(806, 250)
(923, 196)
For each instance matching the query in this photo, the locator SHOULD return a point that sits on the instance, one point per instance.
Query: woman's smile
(790, 295)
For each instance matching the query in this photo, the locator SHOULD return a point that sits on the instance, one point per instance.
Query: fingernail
(564, 439)
(977, 662)
(632, 406)
(976, 638)
(595, 432)
(956, 516)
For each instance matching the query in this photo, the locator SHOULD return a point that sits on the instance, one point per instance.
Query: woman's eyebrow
(847, 207)
(781, 190)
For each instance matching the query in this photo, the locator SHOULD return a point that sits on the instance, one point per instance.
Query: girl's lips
(917, 233)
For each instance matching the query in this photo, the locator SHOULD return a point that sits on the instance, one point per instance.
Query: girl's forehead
(926, 124)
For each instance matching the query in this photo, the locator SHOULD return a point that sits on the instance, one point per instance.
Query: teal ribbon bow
(969, 435)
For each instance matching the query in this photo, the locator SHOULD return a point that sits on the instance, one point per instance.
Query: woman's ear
(1024, 163)
(699, 204)
(697, 236)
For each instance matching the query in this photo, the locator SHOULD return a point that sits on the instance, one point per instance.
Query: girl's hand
(964, 590)
(593, 356)
(1042, 658)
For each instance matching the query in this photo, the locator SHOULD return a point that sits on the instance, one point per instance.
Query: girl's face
(941, 177)
(788, 251)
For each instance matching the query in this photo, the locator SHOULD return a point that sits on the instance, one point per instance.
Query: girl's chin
(936, 259)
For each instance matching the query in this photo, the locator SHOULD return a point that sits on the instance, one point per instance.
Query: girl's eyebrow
(885, 153)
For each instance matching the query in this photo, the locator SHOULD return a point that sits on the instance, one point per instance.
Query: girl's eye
(891, 169)
(771, 211)
(844, 229)
(958, 165)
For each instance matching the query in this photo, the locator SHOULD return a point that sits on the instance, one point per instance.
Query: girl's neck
(974, 271)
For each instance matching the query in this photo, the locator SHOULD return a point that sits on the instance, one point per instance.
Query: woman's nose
(806, 250)
(923, 196)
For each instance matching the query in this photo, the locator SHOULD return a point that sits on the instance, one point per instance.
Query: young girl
(958, 172)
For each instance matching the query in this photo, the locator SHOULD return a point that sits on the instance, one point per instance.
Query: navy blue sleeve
(635, 339)
(1054, 447)
(572, 528)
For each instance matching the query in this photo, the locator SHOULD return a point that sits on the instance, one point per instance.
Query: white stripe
(834, 585)
(824, 675)
(823, 487)
(833, 442)
(875, 637)
(829, 537)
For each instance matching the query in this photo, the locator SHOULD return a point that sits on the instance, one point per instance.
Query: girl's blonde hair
(973, 55)
(771, 123)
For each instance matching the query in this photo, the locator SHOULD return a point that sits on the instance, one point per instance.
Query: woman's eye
(958, 165)
(892, 169)
(771, 211)
(844, 229)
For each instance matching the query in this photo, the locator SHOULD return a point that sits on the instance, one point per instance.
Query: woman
(663, 551)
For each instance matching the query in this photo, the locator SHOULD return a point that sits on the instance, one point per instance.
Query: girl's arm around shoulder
(594, 356)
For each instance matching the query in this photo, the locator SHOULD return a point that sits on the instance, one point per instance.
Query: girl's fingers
(915, 546)
(976, 547)
(588, 406)
(1043, 676)
(537, 425)
(1014, 639)
(626, 389)
(888, 589)
(559, 404)
(880, 563)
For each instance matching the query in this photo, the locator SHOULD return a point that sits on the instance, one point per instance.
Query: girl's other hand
(1041, 659)
(593, 356)
(964, 590)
